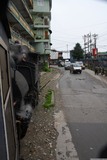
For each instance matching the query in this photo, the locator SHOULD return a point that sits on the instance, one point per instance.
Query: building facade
(29, 22)
(41, 14)
(20, 21)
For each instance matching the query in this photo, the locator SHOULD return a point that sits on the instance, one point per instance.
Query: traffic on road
(84, 99)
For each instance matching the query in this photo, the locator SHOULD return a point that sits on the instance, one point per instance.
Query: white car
(75, 68)
(81, 64)
(67, 65)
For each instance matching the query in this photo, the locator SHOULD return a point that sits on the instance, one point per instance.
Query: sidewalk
(100, 77)
(46, 77)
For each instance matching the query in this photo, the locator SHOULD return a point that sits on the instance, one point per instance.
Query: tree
(77, 53)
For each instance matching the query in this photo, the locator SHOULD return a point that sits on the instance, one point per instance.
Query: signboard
(94, 52)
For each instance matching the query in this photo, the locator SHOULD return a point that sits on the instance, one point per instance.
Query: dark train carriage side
(8, 136)
(19, 89)
(25, 85)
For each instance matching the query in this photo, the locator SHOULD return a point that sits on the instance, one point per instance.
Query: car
(61, 63)
(81, 64)
(75, 68)
(66, 60)
(67, 65)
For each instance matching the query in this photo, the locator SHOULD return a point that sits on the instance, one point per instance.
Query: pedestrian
(96, 70)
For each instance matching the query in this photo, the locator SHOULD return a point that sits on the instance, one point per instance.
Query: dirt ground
(40, 140)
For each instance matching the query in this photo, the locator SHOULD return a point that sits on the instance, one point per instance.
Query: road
(84, 100)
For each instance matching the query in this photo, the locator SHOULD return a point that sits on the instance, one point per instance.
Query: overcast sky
(72, 19)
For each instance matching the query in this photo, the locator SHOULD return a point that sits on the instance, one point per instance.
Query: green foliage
(46, 67)
(77, 52)
(48, 100)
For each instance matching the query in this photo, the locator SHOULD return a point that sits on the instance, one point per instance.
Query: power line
(98, 24)
(89, 42)
(66, 41)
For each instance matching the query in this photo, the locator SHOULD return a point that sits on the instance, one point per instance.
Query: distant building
(66, 55)
(53, 57)
(60, 55)
(102, 54)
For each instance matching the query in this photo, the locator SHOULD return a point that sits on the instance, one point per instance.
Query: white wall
(66, 55)
(54, 55)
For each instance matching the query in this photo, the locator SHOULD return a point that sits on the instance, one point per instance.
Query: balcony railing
(26, 6)
(30, 3)
(17, 37)
(13, 10)
(41, 40)
(41, 22)
(47, 37)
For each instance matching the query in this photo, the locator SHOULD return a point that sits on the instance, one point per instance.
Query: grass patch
(48, 100)
(46, 67)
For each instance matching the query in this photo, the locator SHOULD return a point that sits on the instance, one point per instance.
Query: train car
(25, 85)
(9, 149)
(19, 89)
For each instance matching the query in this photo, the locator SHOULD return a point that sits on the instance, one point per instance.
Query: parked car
(75, 68)
(81, 64)
(67, 65)
(60, 63)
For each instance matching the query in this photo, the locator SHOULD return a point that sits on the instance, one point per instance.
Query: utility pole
(95, 50)
(67, 50)
(88, 42)
(95, 39)
(85, 44)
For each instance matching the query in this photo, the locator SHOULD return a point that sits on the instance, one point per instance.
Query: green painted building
(29, 22)
(41, 14)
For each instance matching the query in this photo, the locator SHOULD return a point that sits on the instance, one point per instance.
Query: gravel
(40, 140)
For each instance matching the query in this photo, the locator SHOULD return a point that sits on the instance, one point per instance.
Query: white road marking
(65, 149)
(57, 86)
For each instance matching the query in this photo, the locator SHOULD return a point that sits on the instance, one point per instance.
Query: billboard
(94, 52)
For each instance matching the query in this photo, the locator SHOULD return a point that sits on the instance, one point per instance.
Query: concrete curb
(44, 85)
(53, 99)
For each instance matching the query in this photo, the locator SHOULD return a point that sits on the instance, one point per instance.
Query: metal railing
(13, 10)
(16, 37)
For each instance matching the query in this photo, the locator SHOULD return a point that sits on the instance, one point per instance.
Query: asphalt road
(84, 100)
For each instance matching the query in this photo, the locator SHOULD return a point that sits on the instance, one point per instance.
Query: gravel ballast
(40, 140)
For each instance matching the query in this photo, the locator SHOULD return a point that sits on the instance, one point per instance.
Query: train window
(4, 72)
(3, 154)
(7, 124)
(0, 83)
(10, 130)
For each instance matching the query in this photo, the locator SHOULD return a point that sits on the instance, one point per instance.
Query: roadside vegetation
(48, 100)
(77, 52)
(46, 67)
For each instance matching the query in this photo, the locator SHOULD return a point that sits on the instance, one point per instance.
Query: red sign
(94, 52)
